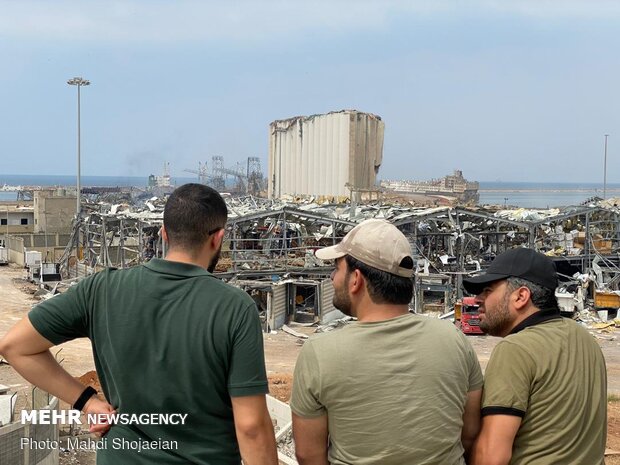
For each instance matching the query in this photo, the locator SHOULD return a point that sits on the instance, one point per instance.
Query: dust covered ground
(281, 352)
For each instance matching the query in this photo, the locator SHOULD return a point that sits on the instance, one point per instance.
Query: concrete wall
(11, 451)
(17, 245)
(53, 211)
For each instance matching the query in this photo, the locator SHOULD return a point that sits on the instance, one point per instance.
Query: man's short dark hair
(192, 213)
(383, 287)
(542, 297)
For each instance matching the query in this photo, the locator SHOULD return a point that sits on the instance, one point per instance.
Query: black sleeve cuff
(502, 411)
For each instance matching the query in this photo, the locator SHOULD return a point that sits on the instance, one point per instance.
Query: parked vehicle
(469, 320)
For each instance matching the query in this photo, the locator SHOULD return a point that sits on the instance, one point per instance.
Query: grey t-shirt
(394, 391)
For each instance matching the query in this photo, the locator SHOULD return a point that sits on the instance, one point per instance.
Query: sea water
(511, 194)
(543, 195)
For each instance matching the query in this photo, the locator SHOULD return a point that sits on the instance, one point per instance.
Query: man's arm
(471, 420)
(28, 353)
(494, 445)
(310, 435)
(255, 434)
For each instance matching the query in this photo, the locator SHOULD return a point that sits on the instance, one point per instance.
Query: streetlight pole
(79, 82)
(605, 170)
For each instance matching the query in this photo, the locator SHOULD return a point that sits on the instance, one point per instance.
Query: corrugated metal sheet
(278, 306)
(321, 154)
(327, 301)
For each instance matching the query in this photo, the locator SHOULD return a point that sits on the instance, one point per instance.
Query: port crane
(250, 181)
(203, 176)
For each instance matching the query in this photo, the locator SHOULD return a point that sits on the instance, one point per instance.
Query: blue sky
(512, 90)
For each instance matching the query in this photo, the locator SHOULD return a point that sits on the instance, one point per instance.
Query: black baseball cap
(519, 263)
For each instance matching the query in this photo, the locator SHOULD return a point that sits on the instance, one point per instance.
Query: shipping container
(331, 154)
(606, 300)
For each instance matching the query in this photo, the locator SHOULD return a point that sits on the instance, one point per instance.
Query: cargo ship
(452, 185)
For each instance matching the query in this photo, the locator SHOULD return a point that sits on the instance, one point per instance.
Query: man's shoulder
(229, 291)
(116, 273)
(113, 276)
(329, 342)
(100, 277)
(124, 278)
(405, 324)
(216, 289)
(319, 340)
(547, 331)
(436, 328)
(533, 341)
(435, 323)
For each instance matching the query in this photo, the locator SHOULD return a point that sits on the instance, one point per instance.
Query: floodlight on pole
(79, 82)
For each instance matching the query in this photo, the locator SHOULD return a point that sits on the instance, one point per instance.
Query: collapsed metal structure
(271, 241)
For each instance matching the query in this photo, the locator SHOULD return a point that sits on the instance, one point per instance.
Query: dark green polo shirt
(167, 337)
(550, 372)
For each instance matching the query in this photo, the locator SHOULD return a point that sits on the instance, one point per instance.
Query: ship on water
(7, 188)
(453, 185)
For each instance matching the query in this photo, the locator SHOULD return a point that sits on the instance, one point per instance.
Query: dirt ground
(281, 350)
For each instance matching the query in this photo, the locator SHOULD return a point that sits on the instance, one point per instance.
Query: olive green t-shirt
(167, 337)
(394, 391)
(553, 375)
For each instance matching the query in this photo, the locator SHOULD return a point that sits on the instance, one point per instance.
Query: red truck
(470, 318)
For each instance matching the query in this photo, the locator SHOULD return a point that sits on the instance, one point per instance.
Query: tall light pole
(79, 82)
(605, 170)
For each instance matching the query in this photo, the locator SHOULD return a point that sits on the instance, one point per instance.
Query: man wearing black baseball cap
(545, 388)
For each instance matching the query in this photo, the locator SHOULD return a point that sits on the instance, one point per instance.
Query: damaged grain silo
(335, 154)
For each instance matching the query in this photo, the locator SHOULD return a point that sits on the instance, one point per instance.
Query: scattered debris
(292, 332)
(334, 324)
(271, 243)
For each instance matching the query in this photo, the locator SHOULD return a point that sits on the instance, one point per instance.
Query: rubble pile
(271, 242)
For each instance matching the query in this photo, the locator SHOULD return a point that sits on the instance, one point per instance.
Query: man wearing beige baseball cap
(393, 387)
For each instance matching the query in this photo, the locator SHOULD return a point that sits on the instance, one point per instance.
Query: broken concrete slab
(7, 408)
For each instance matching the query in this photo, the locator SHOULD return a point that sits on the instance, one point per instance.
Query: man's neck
(522, 315)
(381, 312)
(185, 257)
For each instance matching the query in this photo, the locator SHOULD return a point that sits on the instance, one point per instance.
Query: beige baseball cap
(376, 243)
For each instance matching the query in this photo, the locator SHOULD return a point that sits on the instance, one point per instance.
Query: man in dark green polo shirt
(545, 391)
(178, 352)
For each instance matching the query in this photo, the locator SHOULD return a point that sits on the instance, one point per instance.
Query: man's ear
(521, 297)
(163, 233)
(218, 239)
(356, 281)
